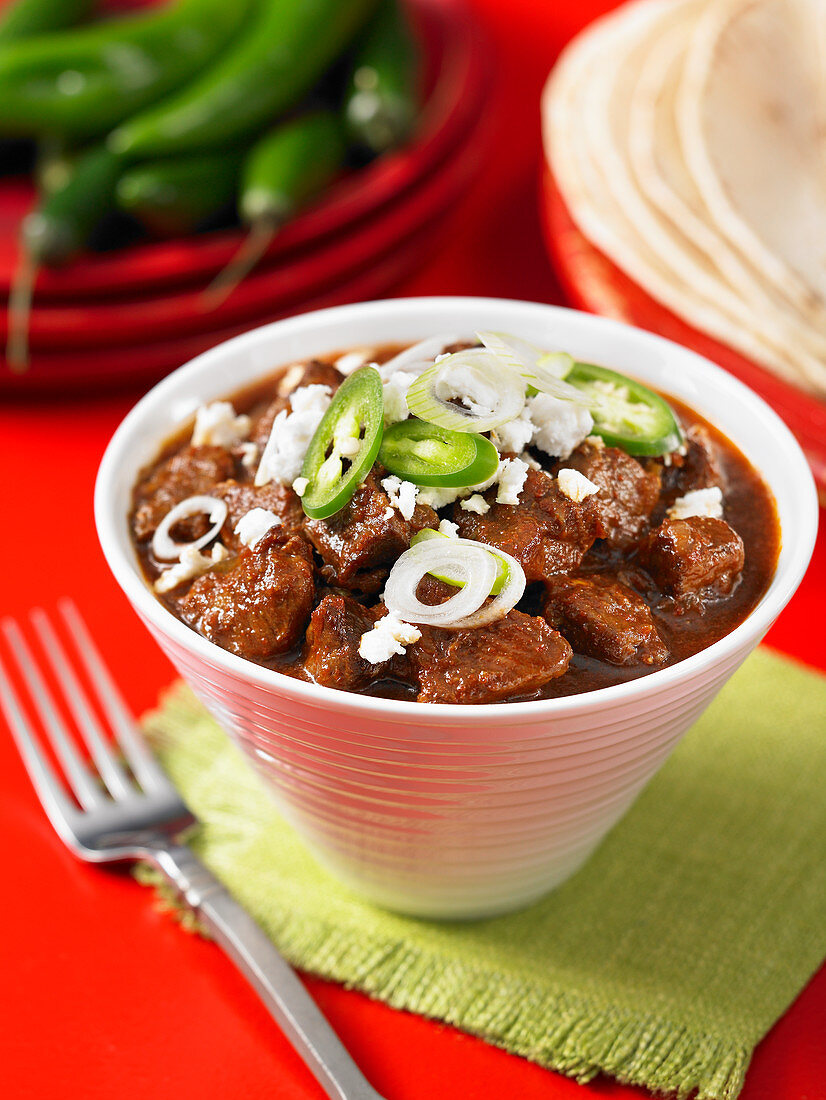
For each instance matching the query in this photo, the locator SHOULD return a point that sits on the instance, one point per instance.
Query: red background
(103, 996)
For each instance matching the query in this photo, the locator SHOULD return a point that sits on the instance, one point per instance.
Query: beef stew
(629, 562)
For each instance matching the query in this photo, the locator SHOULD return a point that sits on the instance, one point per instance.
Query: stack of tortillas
(688, 141)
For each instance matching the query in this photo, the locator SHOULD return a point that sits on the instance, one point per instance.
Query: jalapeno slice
(626, 413)
(345, 444)
(427, 454)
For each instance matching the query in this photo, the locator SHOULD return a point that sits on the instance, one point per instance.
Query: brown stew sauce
(749, 509)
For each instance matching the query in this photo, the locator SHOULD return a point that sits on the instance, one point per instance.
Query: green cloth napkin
(662, 962)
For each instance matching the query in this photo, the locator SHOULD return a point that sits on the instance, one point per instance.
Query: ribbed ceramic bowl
(454, 811)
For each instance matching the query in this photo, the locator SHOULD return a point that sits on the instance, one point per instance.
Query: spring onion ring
(164, 546)
(543, 370)
(472, 564)
(490, 396)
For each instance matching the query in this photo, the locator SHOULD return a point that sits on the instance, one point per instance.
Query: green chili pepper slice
(428, 454)
(345, 444)
(626, 413)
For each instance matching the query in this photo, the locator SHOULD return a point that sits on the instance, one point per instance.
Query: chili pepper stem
(19, 313)
(242, 263)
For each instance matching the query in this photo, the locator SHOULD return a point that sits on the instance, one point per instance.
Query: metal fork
(110, 815)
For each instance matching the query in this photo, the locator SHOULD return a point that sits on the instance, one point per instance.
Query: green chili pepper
(626, 413)
(54, 232)
(429, 455)
(382, 97)
(345, 444)
(177, 196)
(80, 83)
(25, 18)
(284, 48)
(285, 169)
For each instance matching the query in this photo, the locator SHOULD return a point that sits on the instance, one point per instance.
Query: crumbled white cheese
(575, 485)
(192, 564)
(438, 497)
(308, 399)
(464, 384)
(402, 494)
(249, 455)
(395, 396)
(699, 502)
(560, 426)
(388, 637)
(254, 524)
(290, 436)
(290, 378)
(515, 435)
(388, 512)
(512, 474)
(530, 461)
(217, 424)
(352, 360)
(595, 441)
(476, 503)
(449, 528)
(300, 486)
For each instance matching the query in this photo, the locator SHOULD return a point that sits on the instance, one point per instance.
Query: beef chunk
(256, 604)
(189, 472)
(240, 498)
(516, 655)
(365, 536)
(698, 468)
(604, 618)
(628, 493)
(690, 558)
(314, 373)
(331, 652)
(546, 532)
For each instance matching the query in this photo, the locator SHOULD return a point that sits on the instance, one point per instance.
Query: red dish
(593, 283)
(457, 65)
(109, 369)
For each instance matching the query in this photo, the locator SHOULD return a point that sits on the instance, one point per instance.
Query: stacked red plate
(133, 314)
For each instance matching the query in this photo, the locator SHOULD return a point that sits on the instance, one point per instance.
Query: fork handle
(273, 979)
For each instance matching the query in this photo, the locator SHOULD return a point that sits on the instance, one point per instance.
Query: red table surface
(102, 995)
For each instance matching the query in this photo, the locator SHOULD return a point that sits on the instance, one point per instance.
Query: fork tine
(80, 779)
(144, 767)
(59, 809)
(90, 728)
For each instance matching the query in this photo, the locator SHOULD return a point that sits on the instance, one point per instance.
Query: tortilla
(749, 111)
(646, 219)
(657, 160)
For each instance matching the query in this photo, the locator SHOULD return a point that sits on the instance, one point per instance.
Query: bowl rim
(112, 523)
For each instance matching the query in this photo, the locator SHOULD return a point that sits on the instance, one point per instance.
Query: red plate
(109, 369)
(347, 269)
(594, 283)
(457, 68)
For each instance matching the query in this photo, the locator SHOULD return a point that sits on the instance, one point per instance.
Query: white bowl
(440, 810)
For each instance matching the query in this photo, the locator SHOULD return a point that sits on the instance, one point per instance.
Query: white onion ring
(509, 595)
(472, 563)
(475, 375)
(534, 365)
(164, 546)
(420, 356)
